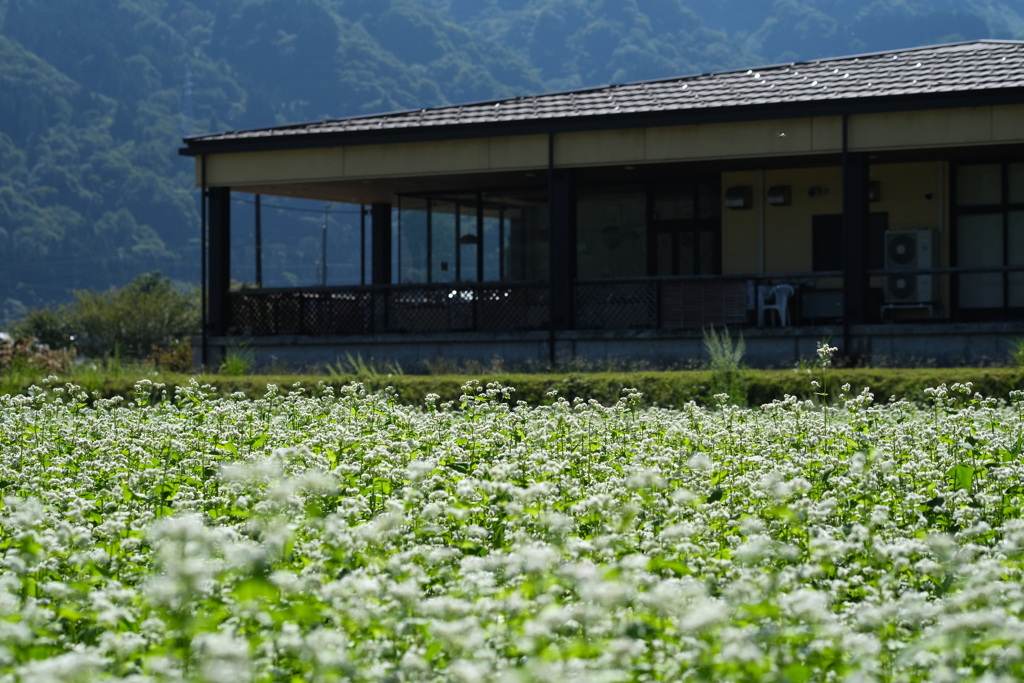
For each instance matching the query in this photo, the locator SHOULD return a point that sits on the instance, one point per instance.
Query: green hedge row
(658, 388)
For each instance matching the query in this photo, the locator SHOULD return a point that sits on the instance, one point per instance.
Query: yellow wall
(740, 229)
(904, 190)
(787, 238)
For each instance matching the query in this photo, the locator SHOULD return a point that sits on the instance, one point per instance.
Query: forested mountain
(95, 96)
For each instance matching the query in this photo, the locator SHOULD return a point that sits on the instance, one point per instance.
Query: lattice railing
(701, 303)
(617, 305)
(411, 309)
(661, 303)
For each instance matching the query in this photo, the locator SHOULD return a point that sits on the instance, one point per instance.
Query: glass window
(611, 233)
(494, 244)
(664, 254)
(413, 231)
(688, 257)
(979, 185)
(675, 205)
(979, 244)
(709, 201)
(292, 242)
(1015, 257)
(469, 241)
(442, 241)
(1015, 173)
(526, 234)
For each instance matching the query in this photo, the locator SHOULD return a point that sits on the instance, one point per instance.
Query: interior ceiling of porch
(387, 190)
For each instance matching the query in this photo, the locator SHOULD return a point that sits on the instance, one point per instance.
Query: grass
(238, 361)
(726, 364)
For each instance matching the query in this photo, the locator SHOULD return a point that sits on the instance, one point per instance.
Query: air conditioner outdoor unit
(909, 250)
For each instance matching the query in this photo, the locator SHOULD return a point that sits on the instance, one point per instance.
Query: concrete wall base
(944, 345)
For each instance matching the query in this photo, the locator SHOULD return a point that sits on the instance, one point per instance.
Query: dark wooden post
(259, 242)
(856, 214)
(479, 236)
(563, 247)
(220, 258)
(380, 221)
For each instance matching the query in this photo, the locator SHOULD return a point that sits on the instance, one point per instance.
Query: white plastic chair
(774, 298)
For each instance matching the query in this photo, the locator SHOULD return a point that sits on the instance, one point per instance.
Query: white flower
(72, 667)
(703, 613)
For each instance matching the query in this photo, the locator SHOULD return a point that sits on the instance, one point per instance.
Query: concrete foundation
(946, 345)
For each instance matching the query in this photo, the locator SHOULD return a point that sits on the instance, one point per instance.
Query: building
(877, 200)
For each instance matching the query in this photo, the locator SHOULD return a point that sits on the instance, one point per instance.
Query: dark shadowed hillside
(95, 96)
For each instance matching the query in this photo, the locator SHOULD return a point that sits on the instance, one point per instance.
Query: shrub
(148, 312)
(28, 354)
(174, 358)
(50, 326)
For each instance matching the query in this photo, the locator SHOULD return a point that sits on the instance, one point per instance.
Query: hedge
(670, 389)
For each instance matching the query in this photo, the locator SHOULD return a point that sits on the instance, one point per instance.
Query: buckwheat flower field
(348, 538)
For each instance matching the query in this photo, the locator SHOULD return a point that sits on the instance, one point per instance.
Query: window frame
(1004, 208)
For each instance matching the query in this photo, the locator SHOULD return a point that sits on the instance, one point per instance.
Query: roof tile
(979, 65)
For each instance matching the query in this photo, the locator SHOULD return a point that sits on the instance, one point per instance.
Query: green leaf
(962, 476)
(129, 495)
(798, 673)
(255, 588)
(662, 565)
(70, 614)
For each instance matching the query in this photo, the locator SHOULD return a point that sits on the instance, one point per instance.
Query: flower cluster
(349, 538)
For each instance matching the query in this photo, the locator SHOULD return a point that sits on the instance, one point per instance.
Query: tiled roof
(956, 68)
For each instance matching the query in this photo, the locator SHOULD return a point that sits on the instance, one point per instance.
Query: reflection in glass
(494, 238)
(675, 205)
(1015, 178)
(979, 244)
(292, 242)
(412, 241)
(443, 241)
(1015, 257)
(528, 240)
(709, 202)
(664, 255)
(979, 184)
(611, 231)
(469, 242)
(687, 257)
(513, 244)
(706, 251)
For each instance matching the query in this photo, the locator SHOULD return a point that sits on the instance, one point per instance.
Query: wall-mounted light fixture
(739, 197)
(780, 195)
(817, 191)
